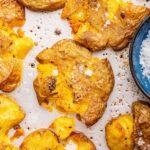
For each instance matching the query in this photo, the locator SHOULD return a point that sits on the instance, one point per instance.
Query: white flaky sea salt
(71, 146)
(88, 72)
(145, 56)
(55, 72)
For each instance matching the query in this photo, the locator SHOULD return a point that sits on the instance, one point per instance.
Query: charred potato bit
(42, 139)
(119, 133)
(12, 49)
(141, 112)
(63, 127)
(10, 115)
(40, 5)
(81, 141)
(12, 13)
(100, 24)
(74, 81)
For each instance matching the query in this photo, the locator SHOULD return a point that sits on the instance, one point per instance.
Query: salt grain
(145, 56)
(55, 72)
(88, 72)
(71, 146)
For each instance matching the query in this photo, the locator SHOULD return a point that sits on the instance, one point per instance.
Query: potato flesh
(10, 115)
(42, 139)
(21, 47)
(63, 127)
(109, 19)
(64, 96)
(119, 133)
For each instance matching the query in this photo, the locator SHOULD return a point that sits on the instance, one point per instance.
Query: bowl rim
(131, 60)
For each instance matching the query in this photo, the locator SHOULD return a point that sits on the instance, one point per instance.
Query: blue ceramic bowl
(134, 57)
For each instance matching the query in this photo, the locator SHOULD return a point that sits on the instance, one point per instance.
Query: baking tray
(41, 27)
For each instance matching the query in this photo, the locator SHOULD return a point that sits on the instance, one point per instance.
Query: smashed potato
(12, 13)
(73, 81)
(41, 139)
(63, 127)
(40, 5)
(10, 74)
(44, 139)
(119, 133)
(13, 49)
(141, 135)
(103, 23)
(10, 115)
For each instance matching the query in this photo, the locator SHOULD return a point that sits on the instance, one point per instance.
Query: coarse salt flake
(145, 56)
(88, 72)
(55, 72)
(71, 146)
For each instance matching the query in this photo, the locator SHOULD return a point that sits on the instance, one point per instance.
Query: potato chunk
(40, 5)
(11, 115)
(141, 113)
(63, 127)
(12, 13)
(74, 82)
(13, 49)
(11, 43)
(42, 139)
(119, 133)
(10, 74)
(100, 24)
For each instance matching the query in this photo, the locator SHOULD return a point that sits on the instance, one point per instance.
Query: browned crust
(141, 114)
(12, 13)
(49, 7)
(66, 51)
(115, 35)
(80, 137)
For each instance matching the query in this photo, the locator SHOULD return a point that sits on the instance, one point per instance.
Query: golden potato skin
(63, 127)
(11, 114)
(12, 13)
(119, 133)
(13, 49)
(13, 72)
(96, 30)
(41, 5)
(42, 139)
(141, 113)
(83, 83)
(83, 143)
